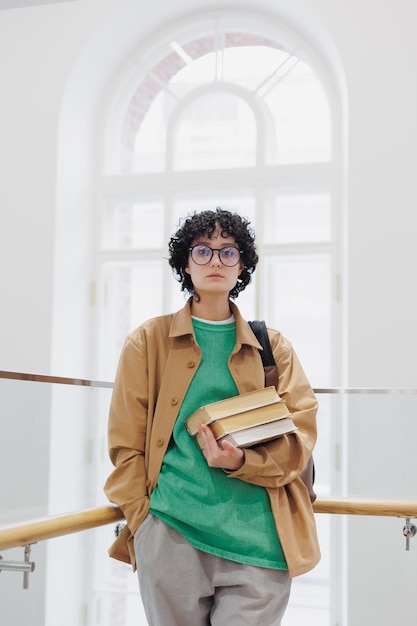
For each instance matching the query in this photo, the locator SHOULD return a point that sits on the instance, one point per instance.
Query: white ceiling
(18, 4)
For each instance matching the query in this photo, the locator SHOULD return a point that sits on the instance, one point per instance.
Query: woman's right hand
(227, 457)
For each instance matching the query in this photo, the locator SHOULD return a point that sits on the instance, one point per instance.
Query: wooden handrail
(33, 531)
(362, 506)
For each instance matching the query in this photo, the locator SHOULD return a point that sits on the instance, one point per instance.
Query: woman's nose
(215, 260)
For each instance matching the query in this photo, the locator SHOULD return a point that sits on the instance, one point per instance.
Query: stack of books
(244, 420)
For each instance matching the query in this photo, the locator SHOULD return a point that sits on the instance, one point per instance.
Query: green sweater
(214, 512)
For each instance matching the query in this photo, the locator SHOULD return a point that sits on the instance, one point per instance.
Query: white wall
(57, 62)
(56, 65)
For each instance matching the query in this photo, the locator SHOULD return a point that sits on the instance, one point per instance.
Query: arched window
(229, 110)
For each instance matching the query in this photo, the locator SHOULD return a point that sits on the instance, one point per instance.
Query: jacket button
(174, 401)
(160, 443)
(190, 364)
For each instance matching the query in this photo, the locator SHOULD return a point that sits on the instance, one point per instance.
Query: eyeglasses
(202, 254)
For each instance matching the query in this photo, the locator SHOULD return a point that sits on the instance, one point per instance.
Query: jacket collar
(181, 322)
(182, 325)
(244, 334)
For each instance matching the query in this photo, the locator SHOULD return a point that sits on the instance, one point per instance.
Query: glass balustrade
(53, 436)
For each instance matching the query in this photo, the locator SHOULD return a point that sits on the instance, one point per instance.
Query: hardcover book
(259, 434)
(244, 419)
(232, 406)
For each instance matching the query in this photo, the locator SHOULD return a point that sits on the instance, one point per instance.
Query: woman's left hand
(227, 457)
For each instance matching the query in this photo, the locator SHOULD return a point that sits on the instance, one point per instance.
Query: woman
(216, 534)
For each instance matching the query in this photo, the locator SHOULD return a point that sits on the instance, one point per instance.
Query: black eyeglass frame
(213, 250)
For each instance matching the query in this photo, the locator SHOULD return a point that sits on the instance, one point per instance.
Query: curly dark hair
(205, 223)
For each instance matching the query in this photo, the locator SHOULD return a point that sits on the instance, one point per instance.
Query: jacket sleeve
(280, 461)
(126, 485)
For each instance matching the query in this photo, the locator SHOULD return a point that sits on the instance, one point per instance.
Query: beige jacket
(157, 363)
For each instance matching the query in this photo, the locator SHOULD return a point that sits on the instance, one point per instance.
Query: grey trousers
(183, 586)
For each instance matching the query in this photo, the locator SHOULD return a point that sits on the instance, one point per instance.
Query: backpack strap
(268, 361)
(271, 378)
(261, 334)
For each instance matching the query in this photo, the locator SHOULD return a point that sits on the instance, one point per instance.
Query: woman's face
(212, 276)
